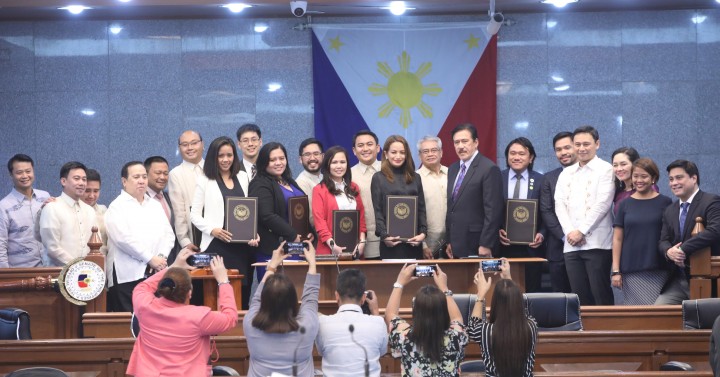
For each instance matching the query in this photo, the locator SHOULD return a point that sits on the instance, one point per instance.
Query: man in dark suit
(520, 181)
(158, 172)
(676, 244)
(565, 153)
(474, 199)
(249, 141)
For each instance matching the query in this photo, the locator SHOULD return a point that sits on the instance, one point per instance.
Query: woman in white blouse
(222, 178)
(335, 192)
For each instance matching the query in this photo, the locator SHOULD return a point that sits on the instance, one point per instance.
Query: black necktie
(516, 193)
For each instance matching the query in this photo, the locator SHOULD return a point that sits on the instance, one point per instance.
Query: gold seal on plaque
(241, 212)
(346, 225)
(401, 211)
(299, 211)
(521, 214)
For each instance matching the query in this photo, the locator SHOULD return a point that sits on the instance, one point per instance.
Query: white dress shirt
(137, 232)
(248, 168)
(362, 176)
(100, 218)
(344, 202)
(523, 184)
(65, 229)
(583, 198)
(340, 355)
(181, 190)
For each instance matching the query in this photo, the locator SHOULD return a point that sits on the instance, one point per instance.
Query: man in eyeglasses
(249, 141)
(311, 157)
(434, 178)
(181, 184)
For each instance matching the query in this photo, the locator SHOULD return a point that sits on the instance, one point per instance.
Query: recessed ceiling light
(397, 8)
(88, 112)
(261, 27)
(559, 3)
(75, 9)
(236, 7)
(551, 24)
(562, 88)
(124, 1)
(115, 29)
(698, 19)
(274, 87)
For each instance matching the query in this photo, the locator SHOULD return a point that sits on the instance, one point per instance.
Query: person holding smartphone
(508, 339)
(434, 345)
(279, 335)
(175, 336)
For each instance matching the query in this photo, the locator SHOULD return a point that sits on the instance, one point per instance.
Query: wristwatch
(448, 293)
(616, 272)
(397, 285)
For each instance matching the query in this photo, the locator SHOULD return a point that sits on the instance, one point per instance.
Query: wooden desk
(382, 274)
(210, 287)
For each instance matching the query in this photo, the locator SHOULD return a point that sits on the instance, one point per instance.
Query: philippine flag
(406, 79)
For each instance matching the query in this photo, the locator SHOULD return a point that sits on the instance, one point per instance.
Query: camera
(491, 265)
(424, 271)
(294, 248)
(200, 260)
(298, 8)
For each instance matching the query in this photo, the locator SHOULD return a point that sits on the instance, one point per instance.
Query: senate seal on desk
(81, 281)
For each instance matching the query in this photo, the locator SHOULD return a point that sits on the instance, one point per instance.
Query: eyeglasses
(311, 154)
(428, 151)
(190, 144)
(253, 140)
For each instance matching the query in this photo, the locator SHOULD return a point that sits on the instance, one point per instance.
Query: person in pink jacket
(175, 336)
(337, 191)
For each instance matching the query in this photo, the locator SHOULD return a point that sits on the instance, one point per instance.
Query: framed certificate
(299, 215)
(521, 220)
(346, 229)
(401, 216)
(241, 218)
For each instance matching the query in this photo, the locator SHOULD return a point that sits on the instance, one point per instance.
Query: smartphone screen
(491, 265)
(200, 260)
(294, 248)
(424, 271)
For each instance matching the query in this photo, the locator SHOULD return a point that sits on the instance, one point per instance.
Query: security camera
(496, 20)
(298, 8)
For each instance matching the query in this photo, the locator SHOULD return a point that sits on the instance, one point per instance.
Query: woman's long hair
(278, 306)
(632, 155)
(211, 167)
(408, 166)
(512, 338)
(327, 179)
(263, 161)
(175, 285)
(430, 321)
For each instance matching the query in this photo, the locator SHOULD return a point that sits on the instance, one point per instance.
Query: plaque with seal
(299, 215)
(401, 216)
(521, 220)
(346, 229)
(241, 218)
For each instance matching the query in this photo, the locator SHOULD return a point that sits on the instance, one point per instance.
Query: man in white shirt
(434, 178)
(341, 356)
(249, 141)
(181, 184)
(66, 223)
(138, 235)
(311, 157)
(90, 197)
(366, 149)
(583, 200)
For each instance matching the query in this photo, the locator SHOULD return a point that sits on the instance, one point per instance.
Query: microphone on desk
(295, 366)
(367, 364)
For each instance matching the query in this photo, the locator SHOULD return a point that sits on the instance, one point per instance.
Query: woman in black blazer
(273, 186)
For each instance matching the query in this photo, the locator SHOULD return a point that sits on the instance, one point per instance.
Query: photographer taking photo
(175, 336)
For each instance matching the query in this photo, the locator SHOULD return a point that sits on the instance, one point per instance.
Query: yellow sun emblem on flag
(404, 89)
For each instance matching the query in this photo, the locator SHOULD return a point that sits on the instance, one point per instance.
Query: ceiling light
(562, 88)
(557, 78)
(551, 24)
(261, 27)
(88, 112)
(559, 3)
(75, 9)
(397, 8)
(124, 1)
(274, 87)
(698, 19)
(236, 7)
(522, 125)
(115, 29)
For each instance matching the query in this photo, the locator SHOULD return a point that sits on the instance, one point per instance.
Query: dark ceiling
(160, 9)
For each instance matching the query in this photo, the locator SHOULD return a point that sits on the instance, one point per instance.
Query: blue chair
(14, 324)
(38, 372)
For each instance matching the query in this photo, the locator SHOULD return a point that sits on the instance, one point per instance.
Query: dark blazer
(475, 218)
(176, 249)
(705, 205)
(553, 231)
(272, 212)
(534, 193)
